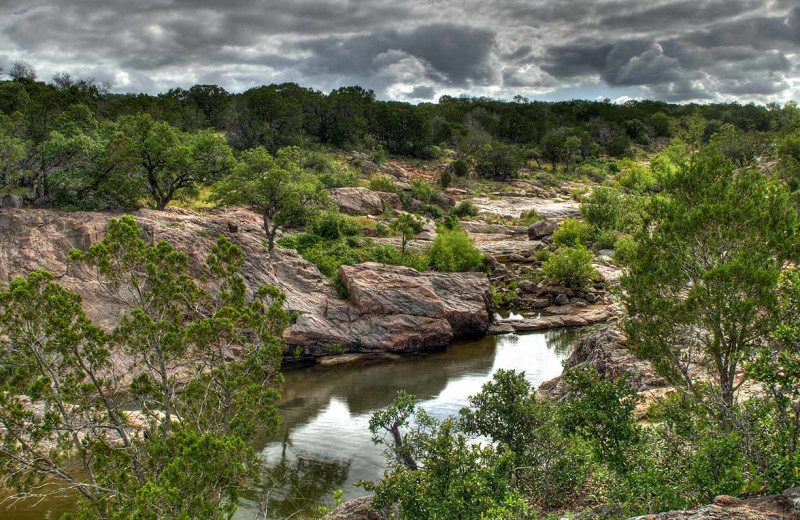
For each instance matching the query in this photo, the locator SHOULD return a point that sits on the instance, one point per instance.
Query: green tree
(172, 162)
(741, 148)
(277, 187)
(164, 437)
(702, 289)
(408, 226)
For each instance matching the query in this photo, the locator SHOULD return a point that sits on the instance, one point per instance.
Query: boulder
(394, 170)
(357, 201)
(562, 299)
(391, 199)
(11, 201)
(467, 300)
(541, 229)
(368, 167)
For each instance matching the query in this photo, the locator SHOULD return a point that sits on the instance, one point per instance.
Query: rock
(368, 167)
(542, 228)
(774, 507)
(516, 258)
(404, 311)
(357, 201)
(357, 509)
(467, 299)
(394, 170)
(606, 350)
(391, 199)
(562, 299)
(41, 202)
(568, 317)
(11, 201)
(233, 226)
(591, 297)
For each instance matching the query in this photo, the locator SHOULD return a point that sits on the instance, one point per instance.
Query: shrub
(571, 267)
(460, 168)
(465, 208)
(453, 251)
(382, 183)
(635, 176)
(501, 161)
(431, 210)
(619, 146)
(572, 232)
(542, 255)
(422, 191)
(624, 250)
(445, 179)
(332, 225)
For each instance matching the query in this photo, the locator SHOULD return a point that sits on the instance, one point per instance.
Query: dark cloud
(677, 50)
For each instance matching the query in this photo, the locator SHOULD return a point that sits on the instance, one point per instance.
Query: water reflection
(325, 437)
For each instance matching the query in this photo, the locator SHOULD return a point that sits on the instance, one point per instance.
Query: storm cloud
(677, 50)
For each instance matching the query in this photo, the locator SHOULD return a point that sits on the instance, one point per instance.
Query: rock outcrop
(776, 507)
(357, 201)
(607, 352)
(390, 309)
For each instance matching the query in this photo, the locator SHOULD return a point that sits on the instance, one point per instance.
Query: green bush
(453, 251)
(605, 239)
(526, 218)
(431, 210)
(542, 255)
(572, 232)
(635, 177)
(382, 183)
(571, 267)
(624, 250)
(460, 168)
(445, 179)
(332, 225)
(422, 191)
(465, 208)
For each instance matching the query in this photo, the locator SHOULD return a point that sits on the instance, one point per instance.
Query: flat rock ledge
(563, 317)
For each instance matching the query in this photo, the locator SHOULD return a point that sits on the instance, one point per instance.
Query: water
(324, 443)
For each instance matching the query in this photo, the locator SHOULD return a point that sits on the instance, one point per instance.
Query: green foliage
(445, 179)
(619, 146)
(500, 161)
(625, 250)
(571, 267)
(609, 209)
(741, 148)
(151, 445)
(460, 168)
(276, 187)
(705, 274)
(453, 251)
(382, 183)
(422, 190)
(464, 209)
(431, 211)
(407, 226)
(635, 176)
(332, 225)
(572, 232)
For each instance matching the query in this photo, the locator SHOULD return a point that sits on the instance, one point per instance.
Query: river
(324, 443)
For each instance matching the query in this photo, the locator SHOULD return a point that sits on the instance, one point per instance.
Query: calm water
(325, 445)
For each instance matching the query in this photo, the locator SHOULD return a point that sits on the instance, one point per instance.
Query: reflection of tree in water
(562, 341)
(294, 486)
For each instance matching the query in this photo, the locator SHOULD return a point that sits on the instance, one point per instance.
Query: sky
(418, 50)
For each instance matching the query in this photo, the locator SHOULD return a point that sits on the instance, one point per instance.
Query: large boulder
(11, 201)
(358, 201)
(467, 300)
(381, 290)
(542, 228)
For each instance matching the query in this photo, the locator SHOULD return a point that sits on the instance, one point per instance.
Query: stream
(324, 442)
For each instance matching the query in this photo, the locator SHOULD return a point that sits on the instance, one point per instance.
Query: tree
(172, 162)
(22, 70)
(702, 290)
(553, 149)
(500, 161)
(408, 226)
(163, 436)
(277, 187)
(741, 148)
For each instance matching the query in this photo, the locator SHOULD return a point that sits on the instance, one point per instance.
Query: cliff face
(390, 308)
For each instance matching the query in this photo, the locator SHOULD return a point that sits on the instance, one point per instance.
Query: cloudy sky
(417, 50)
